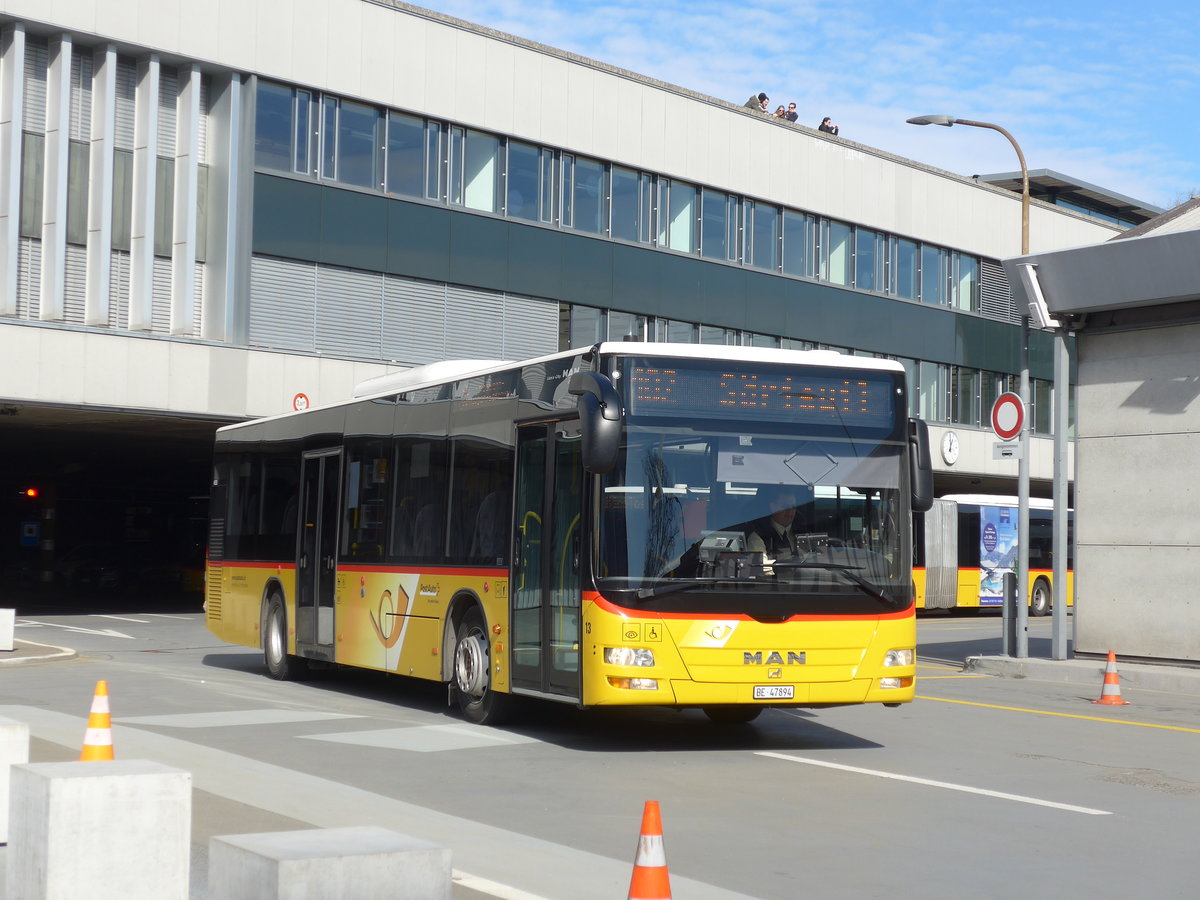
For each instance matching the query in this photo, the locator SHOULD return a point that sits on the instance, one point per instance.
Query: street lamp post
(1022, 611)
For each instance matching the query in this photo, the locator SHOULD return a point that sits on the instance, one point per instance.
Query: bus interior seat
(429, 531)
(490, 538)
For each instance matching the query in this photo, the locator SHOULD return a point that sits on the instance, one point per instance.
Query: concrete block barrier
(112, 830)
(360, 863)
(8, 622)
(14, 751)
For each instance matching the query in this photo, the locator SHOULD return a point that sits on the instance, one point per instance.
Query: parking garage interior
(102, 508)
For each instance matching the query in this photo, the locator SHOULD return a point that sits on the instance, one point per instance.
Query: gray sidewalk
(25, 652)
(1089, 671)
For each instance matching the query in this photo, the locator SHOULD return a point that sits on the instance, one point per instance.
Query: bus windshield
(767, 521)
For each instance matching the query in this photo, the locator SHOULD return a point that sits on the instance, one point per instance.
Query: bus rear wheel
(733, 715)
(280, 665)
(473, 673)
(1039, 598)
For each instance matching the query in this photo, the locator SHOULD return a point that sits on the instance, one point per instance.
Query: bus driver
(773, 535)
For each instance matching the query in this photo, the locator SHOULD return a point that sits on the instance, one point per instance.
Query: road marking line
(1087, 811)
(929, 665)
(165, 616)
(107, 632)
(944, 677)
(120, 618)
(1045, 712)
(492, 888)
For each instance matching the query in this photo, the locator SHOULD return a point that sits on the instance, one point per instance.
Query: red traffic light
(31, 493)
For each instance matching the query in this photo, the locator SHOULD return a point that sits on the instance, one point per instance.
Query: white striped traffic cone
(651, 880)
(1110, 694)
(97, 742)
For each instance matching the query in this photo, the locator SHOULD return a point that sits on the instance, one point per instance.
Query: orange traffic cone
(1110, 694)
(97, 742)
(651, 881)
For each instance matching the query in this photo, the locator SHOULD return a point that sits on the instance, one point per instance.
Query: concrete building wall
(422, 62)
(136, 373)
(1137, 506)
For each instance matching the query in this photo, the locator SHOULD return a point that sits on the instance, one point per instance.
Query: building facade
(215, 211)
(1134, 306)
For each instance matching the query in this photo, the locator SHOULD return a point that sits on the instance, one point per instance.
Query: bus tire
(1039, 598)
(733, 715)
(473, 672)
(280, 665)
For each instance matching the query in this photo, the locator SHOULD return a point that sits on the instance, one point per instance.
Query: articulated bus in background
(577, 528)
(966, 543)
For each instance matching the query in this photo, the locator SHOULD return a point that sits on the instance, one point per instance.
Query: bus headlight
(628, 656)
(898, 658)
(904, 682)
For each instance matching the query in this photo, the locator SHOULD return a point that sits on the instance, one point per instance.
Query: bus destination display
(859, 397)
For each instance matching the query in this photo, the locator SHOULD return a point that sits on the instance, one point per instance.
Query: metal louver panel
(283, 297)
(198, 304)
(75, 287)
(81, 94)
(37, 58)
(349, 311)
(118, 291)
(202, 125)
(530, 327)
(125, 89)
(160, 308)
(168, 90)
(414, 320)
(29, 277)
(474, 320)
(996, 301)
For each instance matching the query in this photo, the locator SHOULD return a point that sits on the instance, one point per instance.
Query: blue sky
(1105, 91)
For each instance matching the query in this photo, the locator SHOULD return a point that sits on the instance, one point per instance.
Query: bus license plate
(774, 692)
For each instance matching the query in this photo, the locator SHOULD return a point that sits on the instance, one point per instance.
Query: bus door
(545, 585)
(316, 560)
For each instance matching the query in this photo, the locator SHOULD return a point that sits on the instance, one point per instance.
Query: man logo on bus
(774, 659)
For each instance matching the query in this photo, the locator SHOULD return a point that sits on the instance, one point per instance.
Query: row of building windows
(938, 392)
(33, 164)
(328, 138)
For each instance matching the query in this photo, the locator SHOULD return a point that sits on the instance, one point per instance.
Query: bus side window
(418, 510)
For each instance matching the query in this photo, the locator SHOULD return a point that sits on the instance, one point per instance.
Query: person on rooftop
(827, 126)
(791, 115)
(758, 102)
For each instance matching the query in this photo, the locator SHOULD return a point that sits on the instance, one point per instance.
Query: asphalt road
(984, 787)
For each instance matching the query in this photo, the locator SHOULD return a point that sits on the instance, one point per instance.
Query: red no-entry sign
(1008, 416)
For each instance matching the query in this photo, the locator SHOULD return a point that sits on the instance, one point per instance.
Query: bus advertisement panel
(676, 525)
(998, 549)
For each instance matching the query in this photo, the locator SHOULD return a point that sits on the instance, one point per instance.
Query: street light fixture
(1022, 611)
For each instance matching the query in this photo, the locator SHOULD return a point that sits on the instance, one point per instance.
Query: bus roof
(997, 500)
(445, 371)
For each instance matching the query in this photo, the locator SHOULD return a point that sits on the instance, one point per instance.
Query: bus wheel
(280, 665)
(733, 715)
(473, 672)
(1039, 599)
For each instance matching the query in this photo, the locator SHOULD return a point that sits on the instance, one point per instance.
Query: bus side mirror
(920, 465)
(600, 420)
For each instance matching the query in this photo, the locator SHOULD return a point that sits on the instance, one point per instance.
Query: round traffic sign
(300, 402)
(1008, 416)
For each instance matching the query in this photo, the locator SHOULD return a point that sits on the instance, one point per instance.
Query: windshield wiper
(846, 571)
(682, 584)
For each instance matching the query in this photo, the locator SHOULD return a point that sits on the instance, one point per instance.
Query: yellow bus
(577, 528)
(966, 543)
